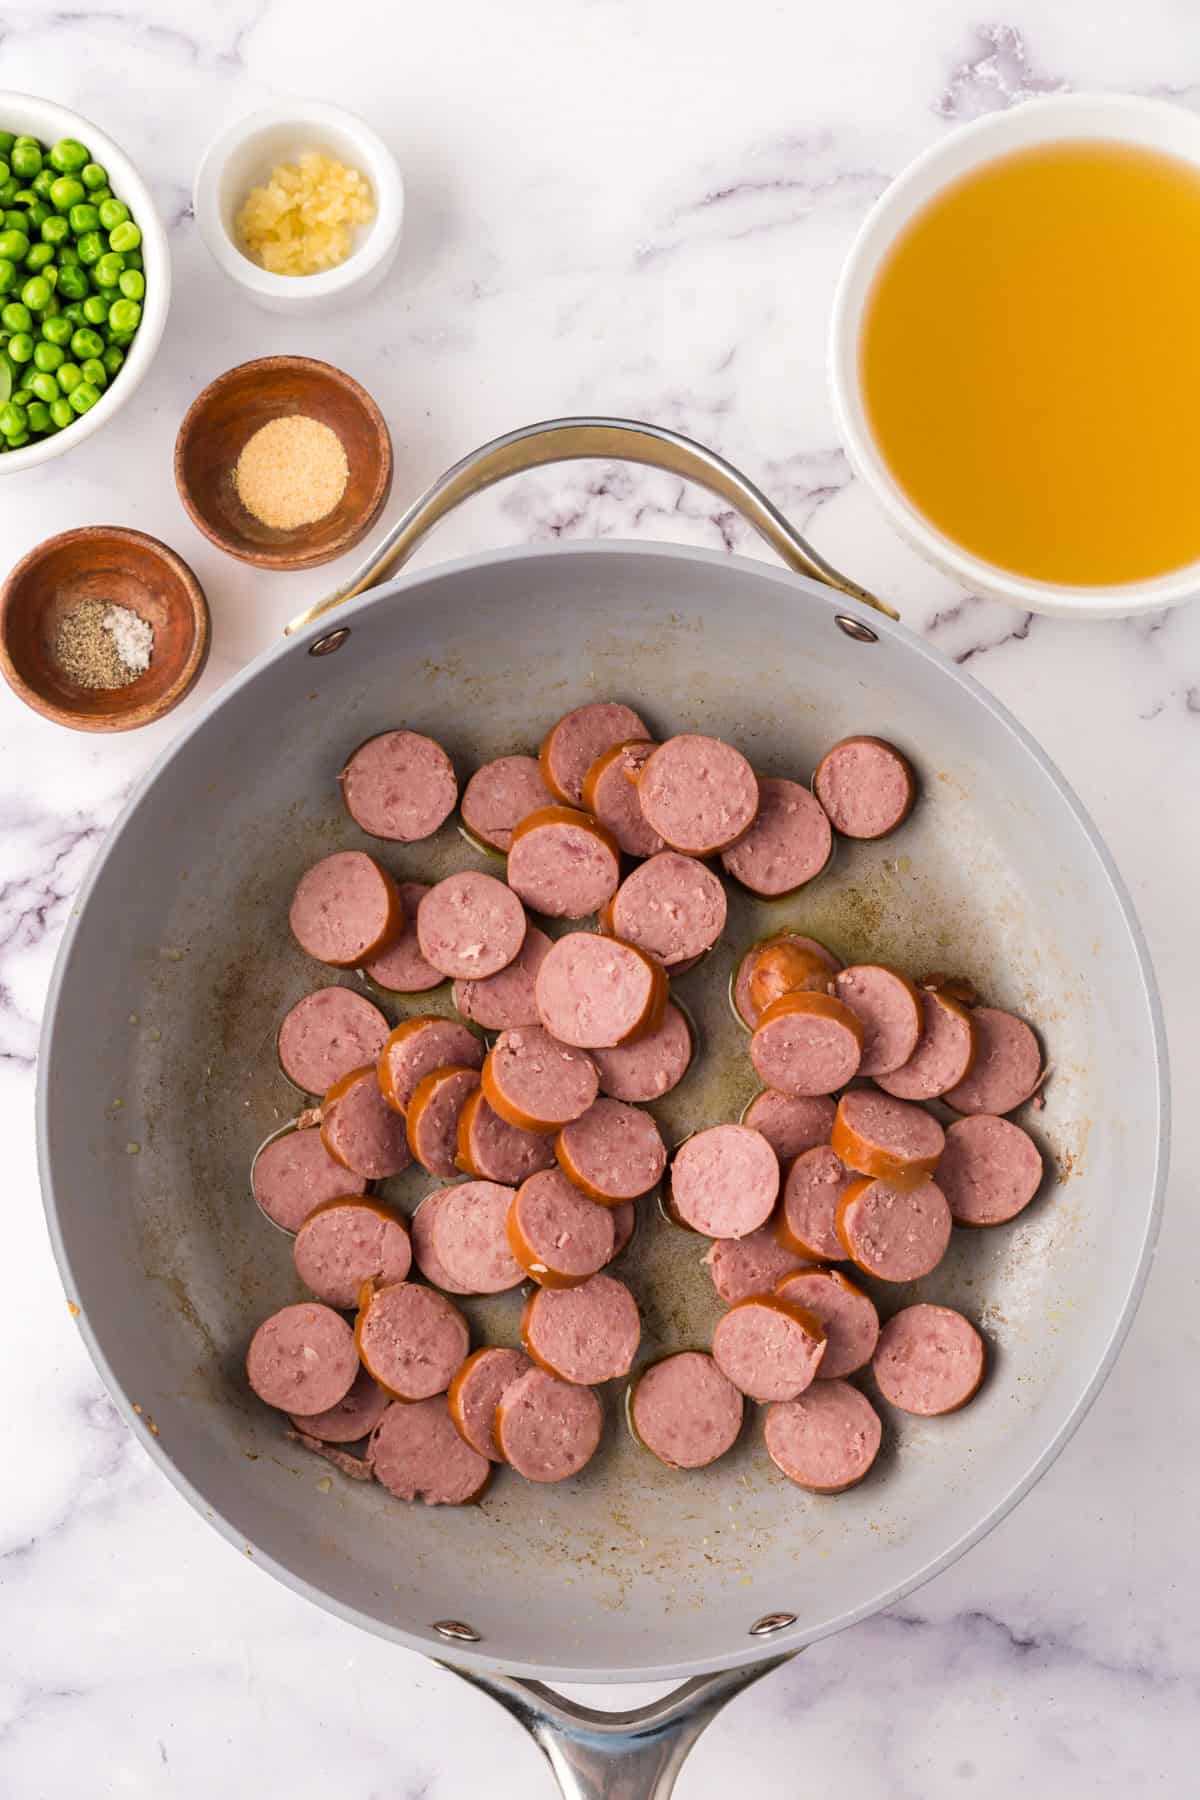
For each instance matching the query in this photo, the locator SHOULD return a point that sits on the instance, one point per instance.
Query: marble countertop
(640, 210)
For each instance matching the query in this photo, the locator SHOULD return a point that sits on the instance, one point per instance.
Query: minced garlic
(299, 223)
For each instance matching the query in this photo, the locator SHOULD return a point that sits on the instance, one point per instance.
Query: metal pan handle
(569, 440)
(619, 1755)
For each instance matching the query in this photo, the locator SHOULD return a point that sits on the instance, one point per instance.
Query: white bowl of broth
(1015, 354)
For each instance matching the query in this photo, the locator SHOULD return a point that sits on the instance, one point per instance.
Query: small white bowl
(1119, 118)
(244, 156)
(42, 119)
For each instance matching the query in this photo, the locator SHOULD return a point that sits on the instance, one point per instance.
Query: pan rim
(796, 1638)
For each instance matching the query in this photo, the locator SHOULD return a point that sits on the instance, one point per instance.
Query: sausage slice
(698, 793)
(493, 1150)
(595, 992)
(360, 1131)
(501, 794)
(1007, 1067)
(556, 1234)
(791, 1123)
(614, 1152)
(848, 1315)
(347, 1242)
(895, 1234)
(930, 1360)
(585, 1334)
(476, 1392)
(346, 910)
(685, 1411)
(419, 1046)
(418, 1455)
(610, 792)
(624, 1220)
(399, 785)
(990, 1170)
(812, 1190)
(354, 1417)
(431, 1122)
(470, 925)
(470, 1238)
(411, 1340)
(536, 1083)
(293, 1174)
(547, 1429)
(563, 863)
(787, 964)
(499, 1002)
(826, 1440)
(402, 969)
(768, 1347)
(327, 1034)
(866, 786)
(672, 907)
(724, 1181)
(750, 1265)
(652, 1065)
(302, 1359)
(891, 1140)
(424, 1254)
(806, 1044)
(570, 748)
(889, 1009)
(788, 844)
(944, 1054)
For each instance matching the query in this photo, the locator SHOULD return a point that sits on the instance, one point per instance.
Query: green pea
(18, 442)
(42, 183)
(102, 193)
(93, 175)
(120, 339)
(16, 219)
(95, 372)
(25, 197)
(57, 331)
(74, 312)
(69, 156)
(113, 213)
(68, 256)
(40, 256)
(26, 159)
(13, 419)
(15, 317)
(36, 292)
(91, 248)
(124, 315)
(132, 284)
(113, 358)
(56, 230)
(107, 271)
(125, 237)
(95, 309)
(14, 245)
(9, 191)
(66, 192)
(7, 140)
(61, 413)
(86, 342)
(39, 212)
(84, 397)
(44, 386)
(69, 377)
(9, 275)
(48, 357)
(39, 415)
(20, 347)
(73, 282)
(5, 172)
(82, 217)
(133, 260)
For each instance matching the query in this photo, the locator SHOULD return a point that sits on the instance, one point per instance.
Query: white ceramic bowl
(244, 156)
(26, 113)
(1121, 118)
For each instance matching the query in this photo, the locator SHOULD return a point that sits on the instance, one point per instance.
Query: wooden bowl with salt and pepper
(102, 629)
(285, 462)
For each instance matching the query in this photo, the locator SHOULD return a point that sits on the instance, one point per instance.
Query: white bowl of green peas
(85, 280)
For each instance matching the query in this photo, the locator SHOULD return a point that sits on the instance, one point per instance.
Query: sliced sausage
(672, 906)
(585, 1334)
(826, 1440)
(1007, 1066)
(470, 1238)
(848, 1315)
(895, 1234)
(354, 1417)
(470, 925)
(399, 785)
(944, 1054)
(650, 1067)
(493, 1150)
(536, 1083)
(501, 1001)
(419, 1046)
(571, 747)
(724, 1181)
(750, 1265)
(624, 1220)
(866, 786)
(930, 1360)
(327, 1034)
(476, 1392)
(610, 792)
(424, 1254)
(806, 1044)
(768, 1347)
(563, 863)
(302, 1359)
(411, 1340)
(698, 793)
(347, 1242)
(360, 1131)
(787, 964)
(890, 1140)
(614, 1152)
(418, 1455)
(790, 1123)
(888, 1007)
(685, 1411)
(431, 1122)
(547, 1429)
(346, 910)
(596, 993)
(990, 1170)
(402, 969)
(499, 796)
(293, 1174)
(556, 1234)
(788, 844)
(812, 1190)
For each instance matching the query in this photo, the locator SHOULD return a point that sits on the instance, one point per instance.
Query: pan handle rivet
(854, 628)
(333, 640)
(457, 1632)
(772, 1622)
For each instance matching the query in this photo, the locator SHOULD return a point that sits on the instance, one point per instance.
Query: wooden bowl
(102, 562)
(236, 405)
